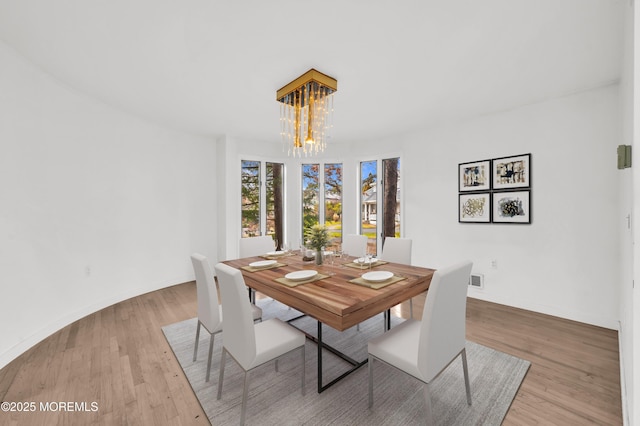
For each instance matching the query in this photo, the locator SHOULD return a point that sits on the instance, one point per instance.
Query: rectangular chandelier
(306, 112)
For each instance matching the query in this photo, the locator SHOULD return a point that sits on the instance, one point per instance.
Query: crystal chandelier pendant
(306, 113)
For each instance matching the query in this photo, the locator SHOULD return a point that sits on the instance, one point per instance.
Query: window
(333, 203)
(250, 198)
(369, 202)
(323, 189)
(379, 212)
(274, 200)
(391, 197)
(262, 208)
(310, 195)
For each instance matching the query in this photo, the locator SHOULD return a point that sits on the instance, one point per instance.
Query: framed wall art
(511, 207)
(511, 172)
(475, 176)
(474, 207)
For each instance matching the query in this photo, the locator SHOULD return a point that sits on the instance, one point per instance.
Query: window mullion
(321, 188)
(263, 197)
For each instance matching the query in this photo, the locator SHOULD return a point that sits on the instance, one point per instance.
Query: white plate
(377, 276)
(365, 260)
(263, 264)
(301, 275)
(276, 253)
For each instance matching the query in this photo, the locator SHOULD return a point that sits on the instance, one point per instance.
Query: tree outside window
(274, 197)
(333, 203)
(322, 186)
(379, 211)
(262, 212)
(310, 196)
(250, 190)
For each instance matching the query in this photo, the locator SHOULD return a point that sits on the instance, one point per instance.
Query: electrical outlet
(494, 264)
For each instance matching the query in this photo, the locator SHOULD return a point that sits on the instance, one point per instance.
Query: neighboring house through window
(379, 210)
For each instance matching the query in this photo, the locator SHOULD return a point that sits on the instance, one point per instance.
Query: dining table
(340, 293)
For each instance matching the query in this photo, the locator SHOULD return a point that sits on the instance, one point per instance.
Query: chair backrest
(208, 305)
(442, 332)
(239, 334)
(255, 246)
(354, 245)
(397, 250)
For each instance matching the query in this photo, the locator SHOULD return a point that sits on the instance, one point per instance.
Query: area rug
(275, 397)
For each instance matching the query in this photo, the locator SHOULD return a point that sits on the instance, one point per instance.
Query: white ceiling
(213, 66)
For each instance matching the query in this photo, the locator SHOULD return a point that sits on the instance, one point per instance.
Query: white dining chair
(256, 246)
(354, 245)
(249, 344)
(398, 250)
(423, 349)
(209, 309)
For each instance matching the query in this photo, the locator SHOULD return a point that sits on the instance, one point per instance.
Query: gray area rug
(275, 397)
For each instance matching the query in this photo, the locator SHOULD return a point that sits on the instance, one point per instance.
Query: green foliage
(317, 236)
(251, 197)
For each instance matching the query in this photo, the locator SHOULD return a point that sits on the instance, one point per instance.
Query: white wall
(626, 335)
(634, 375)
(96, 206)
(566, 262)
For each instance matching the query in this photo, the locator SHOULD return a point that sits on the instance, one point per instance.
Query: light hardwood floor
(119, 358)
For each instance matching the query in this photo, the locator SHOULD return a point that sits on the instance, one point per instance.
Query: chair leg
(221, 377)
(370, 381)
(466, 375)
(211, 339)
(358, 327)
(195, 350)
(411, 308)
(386, 322)
(303, 362)
(427, 402)
(245, 393)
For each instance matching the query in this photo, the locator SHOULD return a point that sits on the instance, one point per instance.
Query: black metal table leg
(321, 345)
(387, 320)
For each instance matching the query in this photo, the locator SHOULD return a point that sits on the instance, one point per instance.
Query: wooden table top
(334, 300)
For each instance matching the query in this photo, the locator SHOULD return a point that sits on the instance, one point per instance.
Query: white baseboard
(599, 321)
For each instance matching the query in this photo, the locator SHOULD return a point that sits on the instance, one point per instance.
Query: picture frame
(474, 176)
(511, 207)
(511, 172)
(474, 207)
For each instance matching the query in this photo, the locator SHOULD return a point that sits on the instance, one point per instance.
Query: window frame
(321, 163)
(263, 202)
(379, 159)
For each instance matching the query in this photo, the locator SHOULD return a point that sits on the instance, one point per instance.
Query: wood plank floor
(119, 358)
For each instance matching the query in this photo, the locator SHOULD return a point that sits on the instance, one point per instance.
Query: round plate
(301, 275)
(263, 264)
(276, 253)
(365, 260)
(377, 276)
